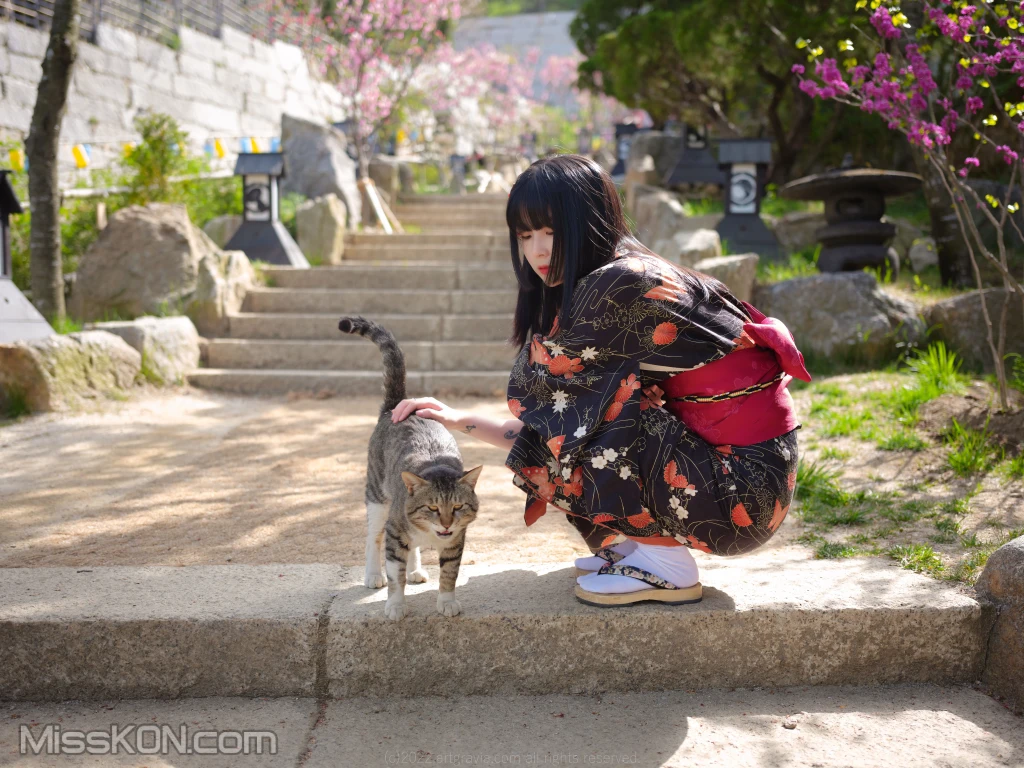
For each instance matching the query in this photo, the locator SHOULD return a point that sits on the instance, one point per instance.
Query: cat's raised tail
(394, 360)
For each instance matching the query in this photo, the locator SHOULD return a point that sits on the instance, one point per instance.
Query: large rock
(321, 229)
(221, 228)
(658, 217)
(922, 254)
(152, 260)
(798, 230)
(960, 323)
(842, 317)
(687, 248)
(1002, 583)
(906, 235)
(316, 164)
(169, 345)
(640, 175)
(664, 151)
(224, 279)
(385, 176)
(62, 372)
(737, 272)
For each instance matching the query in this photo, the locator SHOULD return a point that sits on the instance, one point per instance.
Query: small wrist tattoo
(469, 428)
(510, 435)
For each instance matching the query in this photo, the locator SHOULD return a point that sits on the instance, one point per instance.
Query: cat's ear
(412, 482)
(471, 476)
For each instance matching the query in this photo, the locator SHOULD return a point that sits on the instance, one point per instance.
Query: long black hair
(573, 196)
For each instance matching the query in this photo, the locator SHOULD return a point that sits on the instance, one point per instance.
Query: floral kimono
(593, 447)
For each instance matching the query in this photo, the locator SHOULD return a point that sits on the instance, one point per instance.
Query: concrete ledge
(769, 619)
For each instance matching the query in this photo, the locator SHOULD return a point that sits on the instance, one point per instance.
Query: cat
(417, 493)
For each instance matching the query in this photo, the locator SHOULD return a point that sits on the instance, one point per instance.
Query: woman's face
(535, 245)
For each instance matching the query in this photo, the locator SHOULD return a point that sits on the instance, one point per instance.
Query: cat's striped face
(442, 506)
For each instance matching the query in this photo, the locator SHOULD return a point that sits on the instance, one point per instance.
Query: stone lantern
(745, 162)
(696, 164)
(19, 320)
(262, 236)
(854, 235)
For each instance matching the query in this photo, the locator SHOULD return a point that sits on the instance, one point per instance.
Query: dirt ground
(192, 478)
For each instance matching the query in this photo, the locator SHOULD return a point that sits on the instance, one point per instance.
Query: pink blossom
(882, 22)
(974, 104)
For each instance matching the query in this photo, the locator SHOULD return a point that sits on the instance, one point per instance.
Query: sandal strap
(609, 554)
(637, 573)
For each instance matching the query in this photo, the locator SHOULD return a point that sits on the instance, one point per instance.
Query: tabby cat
(417, 493)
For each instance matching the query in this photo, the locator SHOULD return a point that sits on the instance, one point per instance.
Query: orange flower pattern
(593, 447)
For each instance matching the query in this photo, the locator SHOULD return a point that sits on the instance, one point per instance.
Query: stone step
(243, 381)
(487, 199)
(370, 301)
(484, 327)
(428, 253)
(387, 275)
(865, 726)
(772, 618)
(358, 355)
(479, 238)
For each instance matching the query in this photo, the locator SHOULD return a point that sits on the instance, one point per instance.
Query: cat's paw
(419, 576)
(448, 605)
(394, 609)
(374, 579)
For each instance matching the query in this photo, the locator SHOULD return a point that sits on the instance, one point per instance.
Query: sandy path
(191, 478)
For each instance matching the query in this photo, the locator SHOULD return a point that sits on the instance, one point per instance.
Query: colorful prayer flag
(17, 160)
(82, 154)
(218, 149)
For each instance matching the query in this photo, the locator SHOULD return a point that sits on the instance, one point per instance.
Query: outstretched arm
(497, 432)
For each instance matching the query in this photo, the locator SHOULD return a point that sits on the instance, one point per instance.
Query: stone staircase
(447, 293)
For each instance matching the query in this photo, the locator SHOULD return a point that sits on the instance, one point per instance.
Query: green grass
(948, 525)
(902, 440)
(970, 541)
(933, 371)
(843, 423)
(958, 506)
(1012, 468)
(971, 451)
(702, 207)
(831, 453)
(919, 558)
(147, 372)
(14, 403)
(833, 550)
(968, 569)
(801, 264)
(65, 326)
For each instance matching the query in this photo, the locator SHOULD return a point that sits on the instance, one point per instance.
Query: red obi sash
(741, 399)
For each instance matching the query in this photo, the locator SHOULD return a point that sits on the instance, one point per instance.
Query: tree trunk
(954, 259)
(43, 184)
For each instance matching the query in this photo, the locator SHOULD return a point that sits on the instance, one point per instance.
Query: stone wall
(228, 87)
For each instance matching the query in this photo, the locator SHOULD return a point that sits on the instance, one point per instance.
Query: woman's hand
(427, 408)
(654, 395)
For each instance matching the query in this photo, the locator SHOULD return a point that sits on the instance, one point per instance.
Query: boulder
(62, 372)
(224, 279)
(221, 228)
(169, 345)
(906, 235)
(316, 164)
(922, 254)
(842, 317)
(737, 272)
(960, 323)
(798, 230)
(664, 151)
(1002, 583)
(658, 217)
(642, 175)
(152, 260)
(687, 248)
(385, 176)
(321, 229)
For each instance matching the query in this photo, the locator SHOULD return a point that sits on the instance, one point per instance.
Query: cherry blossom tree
(372, 50)
(983, 110)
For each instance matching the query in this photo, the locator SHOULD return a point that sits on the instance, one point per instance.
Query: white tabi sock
(594, 562)
(674, 564)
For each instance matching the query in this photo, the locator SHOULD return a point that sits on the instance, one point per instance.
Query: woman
(606, 328)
